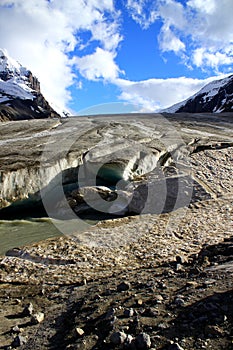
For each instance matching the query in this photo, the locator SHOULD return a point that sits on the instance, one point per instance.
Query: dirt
(184, 302)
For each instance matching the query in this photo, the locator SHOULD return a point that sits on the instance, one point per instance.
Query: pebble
(129, 339)
(181, 259)
(28, 310)
(16, 329)
(18, 341)
(192, 284)
(110, 313)
(179, 301)
(129, 312)
(143, 341)
(37, 318)
(123, 286)
(158, 299)
(118, 338)
(79, 331)
(175, 346)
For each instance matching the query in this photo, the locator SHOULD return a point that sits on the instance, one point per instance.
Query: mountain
(215, 97)
(20, 95)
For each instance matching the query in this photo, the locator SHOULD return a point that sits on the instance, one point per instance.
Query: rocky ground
(150, 281)
(183, 301)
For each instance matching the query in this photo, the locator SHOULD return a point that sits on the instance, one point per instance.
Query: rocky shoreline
(149, 281)
(169, 291)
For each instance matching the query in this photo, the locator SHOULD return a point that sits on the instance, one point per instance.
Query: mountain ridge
(215, 97)
(20, 94)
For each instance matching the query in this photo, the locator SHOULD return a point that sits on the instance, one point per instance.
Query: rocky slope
(215, 97)
(20, 95)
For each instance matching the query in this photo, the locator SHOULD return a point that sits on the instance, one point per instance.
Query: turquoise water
(17, 233)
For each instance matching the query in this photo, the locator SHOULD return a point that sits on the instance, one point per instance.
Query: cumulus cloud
(203, 30)
(98, 65)
(42, 35)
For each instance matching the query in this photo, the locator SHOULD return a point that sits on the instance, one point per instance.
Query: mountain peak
(215, 97)
(9, 67)
(20, 95)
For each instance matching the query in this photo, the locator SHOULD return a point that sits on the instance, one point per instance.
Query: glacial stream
(20, 232)
(16, 233)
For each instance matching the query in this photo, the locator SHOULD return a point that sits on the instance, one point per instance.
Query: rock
(181, 259)
(179, 301)
(193, 284)
(28, 310)
(175, 346)
(118, 338)
(79, 331)
(18, 341)
(143, 341)
(158, 299)
(123, 286)
(151, 312)
(16, 329)
(110, 313)
(129, 312)
(214, 330)
(129, 340)
(37, 318)
(179, 268)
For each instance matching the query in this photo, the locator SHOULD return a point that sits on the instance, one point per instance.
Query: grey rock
(16, 329)
(179, 301)
(129, 312)
(37, 318)
(175, 346)
(28, 310)
(118, 338)
(143, 341)
(129, 340)
(110, 313)
(123, 286)
(18, 341)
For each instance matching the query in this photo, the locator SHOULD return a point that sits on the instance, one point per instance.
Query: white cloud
(169, 41)
(107, 34)
(204, 57)
(193, 28)
(41, 35)
(156, 94)
(143, 11)
(207, 6)
(98, 65)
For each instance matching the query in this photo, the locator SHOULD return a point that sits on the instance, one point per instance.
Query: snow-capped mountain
(20, 95)
(215, 97)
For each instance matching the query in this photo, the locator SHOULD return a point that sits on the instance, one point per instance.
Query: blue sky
(114, 56)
